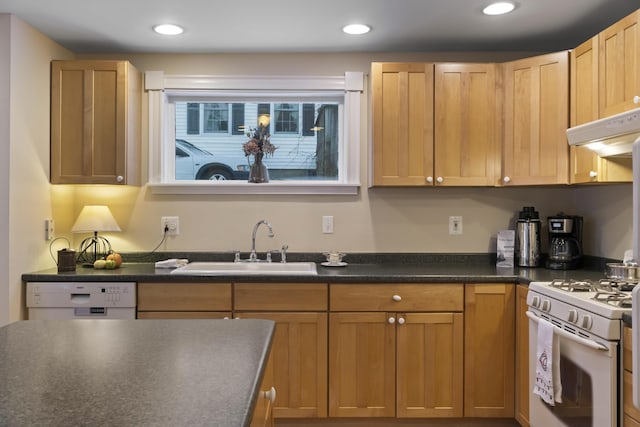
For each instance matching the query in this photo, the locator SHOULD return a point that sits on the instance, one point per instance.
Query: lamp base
(92, 249)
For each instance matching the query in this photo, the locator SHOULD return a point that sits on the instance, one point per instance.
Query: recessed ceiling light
(499, 8)
(356, 29)
(168, 29)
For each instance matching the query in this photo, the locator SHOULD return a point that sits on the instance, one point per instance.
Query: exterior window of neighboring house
(193, 118)
(287, 116)
(216, 118)
(201, 131)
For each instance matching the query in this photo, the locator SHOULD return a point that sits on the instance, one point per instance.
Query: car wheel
(216, 174)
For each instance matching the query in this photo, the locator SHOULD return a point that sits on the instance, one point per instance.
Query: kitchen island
(132, 372)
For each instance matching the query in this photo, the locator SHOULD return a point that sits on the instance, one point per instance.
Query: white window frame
(162, 135)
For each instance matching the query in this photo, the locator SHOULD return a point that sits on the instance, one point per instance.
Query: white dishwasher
(81, 300)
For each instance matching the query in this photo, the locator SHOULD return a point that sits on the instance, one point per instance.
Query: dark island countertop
(132, 372)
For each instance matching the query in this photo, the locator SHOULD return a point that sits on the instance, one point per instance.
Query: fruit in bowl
(100, 264)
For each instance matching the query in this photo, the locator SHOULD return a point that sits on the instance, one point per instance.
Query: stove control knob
(573, 316)
(546, 305)
(535, 301)
(587, 321)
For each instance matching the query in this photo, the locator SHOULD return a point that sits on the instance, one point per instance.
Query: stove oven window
(576, 409)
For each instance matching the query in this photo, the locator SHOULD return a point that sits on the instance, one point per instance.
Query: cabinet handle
(506, 179)
(270, 394)
(397, 298)
(120, 178)
(401, 320)
(430, 179)
(593, 174)
(391, 320)
(636, 99)
(440, 180)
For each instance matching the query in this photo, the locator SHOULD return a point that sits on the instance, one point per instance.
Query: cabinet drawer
(184, 297)
(627, 357)
(397, 297)
(184, 314)
(280, 296)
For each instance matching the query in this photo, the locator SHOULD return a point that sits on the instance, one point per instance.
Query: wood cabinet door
(297, 364)
(586, 166)
(489, 350)
(522, 357)
(362, 365)
(95, 122)
(429, 365)
(536, 114)
(619, 65)
(467, 140)
(402, 123)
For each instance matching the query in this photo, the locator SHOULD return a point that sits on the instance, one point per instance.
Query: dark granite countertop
(132, 372)
(361, 268)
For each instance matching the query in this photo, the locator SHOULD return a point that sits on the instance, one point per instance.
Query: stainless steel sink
(247, 268)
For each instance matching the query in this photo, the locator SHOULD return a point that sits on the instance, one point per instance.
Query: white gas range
(587, 319)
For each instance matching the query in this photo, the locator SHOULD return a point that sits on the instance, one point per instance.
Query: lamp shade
(94, 218)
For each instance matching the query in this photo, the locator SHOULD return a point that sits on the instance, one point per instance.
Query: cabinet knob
(120, 178)
(636, 99)
(440, 180)
(401, 321)
(506, 179)
(430, 179)
(270, 394)
(397, 298)
(391, 320)
(593, 174)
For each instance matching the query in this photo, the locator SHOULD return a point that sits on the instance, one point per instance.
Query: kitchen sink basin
(247, 268)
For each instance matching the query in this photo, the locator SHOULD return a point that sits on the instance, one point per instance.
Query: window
(216, 118)
(286, 118)
(198, 125)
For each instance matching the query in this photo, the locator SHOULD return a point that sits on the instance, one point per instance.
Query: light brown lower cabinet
(385, 363)
(489, 350)
(297, 365)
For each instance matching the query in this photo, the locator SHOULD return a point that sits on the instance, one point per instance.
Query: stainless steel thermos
(528, 237)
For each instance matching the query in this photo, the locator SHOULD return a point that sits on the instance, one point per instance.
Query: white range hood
(611, 136)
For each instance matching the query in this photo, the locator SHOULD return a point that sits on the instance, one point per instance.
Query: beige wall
(377, 220)
(25, 157)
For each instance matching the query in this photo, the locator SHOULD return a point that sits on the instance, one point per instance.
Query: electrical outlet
(455, 225)
(49, 229)
(171, 224)
(327, 224)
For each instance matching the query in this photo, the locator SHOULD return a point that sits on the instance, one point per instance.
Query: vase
(258, 173)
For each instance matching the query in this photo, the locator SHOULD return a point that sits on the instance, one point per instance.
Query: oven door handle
(589, 343)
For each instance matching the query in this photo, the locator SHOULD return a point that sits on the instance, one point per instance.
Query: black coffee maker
(565, 242)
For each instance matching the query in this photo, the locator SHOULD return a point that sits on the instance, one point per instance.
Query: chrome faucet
(253, 256)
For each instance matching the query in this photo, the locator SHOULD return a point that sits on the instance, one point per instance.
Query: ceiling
(214, 26)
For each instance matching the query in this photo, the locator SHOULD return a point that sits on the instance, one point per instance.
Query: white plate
(334, 264)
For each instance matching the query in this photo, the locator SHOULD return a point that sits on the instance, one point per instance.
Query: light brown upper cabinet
(460, 149)
(619, 66)
(95, 122)
(402, 123)
(467, 140)
(586, 166)
(536, 115)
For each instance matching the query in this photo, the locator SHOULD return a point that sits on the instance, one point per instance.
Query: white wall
(24, 190)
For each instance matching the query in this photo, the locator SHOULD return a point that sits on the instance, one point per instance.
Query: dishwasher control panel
(81, 294)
